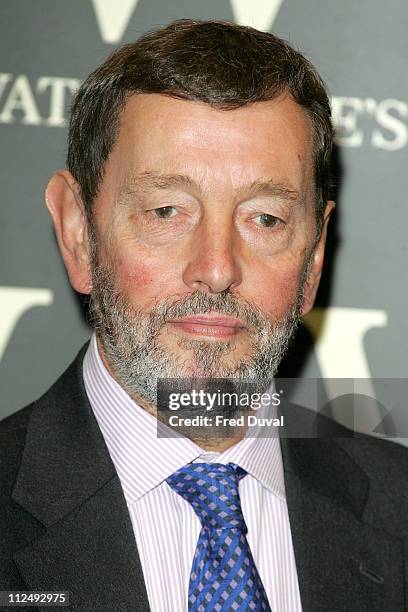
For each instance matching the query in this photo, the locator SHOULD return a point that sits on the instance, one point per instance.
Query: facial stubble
(131, 345)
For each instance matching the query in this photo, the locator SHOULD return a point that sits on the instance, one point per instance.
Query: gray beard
(129, 337)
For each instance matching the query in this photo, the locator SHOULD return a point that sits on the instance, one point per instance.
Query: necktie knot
(212, 490)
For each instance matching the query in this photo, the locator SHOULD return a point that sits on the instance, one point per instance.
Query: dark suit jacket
(64, 523)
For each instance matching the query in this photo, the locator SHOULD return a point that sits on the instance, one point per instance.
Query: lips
(209, 325)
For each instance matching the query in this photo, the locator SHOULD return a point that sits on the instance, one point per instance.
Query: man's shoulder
(13, 431)
(13, 428)
(15, 424)
(385, 464)
(348, 460)
(374, 451)
(377, 456)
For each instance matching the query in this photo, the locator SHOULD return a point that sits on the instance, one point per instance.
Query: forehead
(217, 148)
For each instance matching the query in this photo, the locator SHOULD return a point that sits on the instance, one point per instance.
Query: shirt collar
(142, 459)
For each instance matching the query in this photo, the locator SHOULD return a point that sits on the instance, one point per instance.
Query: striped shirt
(165, 526)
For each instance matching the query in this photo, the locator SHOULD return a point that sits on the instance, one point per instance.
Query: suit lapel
(343, 563)
(68, 483)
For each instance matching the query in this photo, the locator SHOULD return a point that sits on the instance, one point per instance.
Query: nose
(213, 259)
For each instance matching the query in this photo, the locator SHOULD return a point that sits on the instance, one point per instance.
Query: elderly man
(193, 212)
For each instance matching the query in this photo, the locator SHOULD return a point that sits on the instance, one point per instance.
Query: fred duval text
(245, 420)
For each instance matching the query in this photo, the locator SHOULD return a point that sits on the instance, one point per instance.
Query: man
(194, 213)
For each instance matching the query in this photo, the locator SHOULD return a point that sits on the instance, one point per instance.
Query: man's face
(205, 230)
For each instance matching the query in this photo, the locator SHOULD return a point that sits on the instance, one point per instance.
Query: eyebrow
(270, 187)
(147, 182)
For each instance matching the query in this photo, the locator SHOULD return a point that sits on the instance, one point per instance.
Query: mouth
(210, 326)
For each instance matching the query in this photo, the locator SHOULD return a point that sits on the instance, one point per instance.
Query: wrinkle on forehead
(165, 143)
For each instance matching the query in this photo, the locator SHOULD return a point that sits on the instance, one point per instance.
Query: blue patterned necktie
(223, 576)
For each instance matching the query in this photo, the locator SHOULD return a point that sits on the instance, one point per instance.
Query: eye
(267, 220)
(164, 212)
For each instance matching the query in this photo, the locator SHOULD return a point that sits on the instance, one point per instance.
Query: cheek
(278, 288)
(139, 280)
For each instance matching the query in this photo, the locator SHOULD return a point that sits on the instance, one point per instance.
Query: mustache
(200, 302)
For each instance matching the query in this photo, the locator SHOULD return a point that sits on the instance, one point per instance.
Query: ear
(316, 263)
(64, 203)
